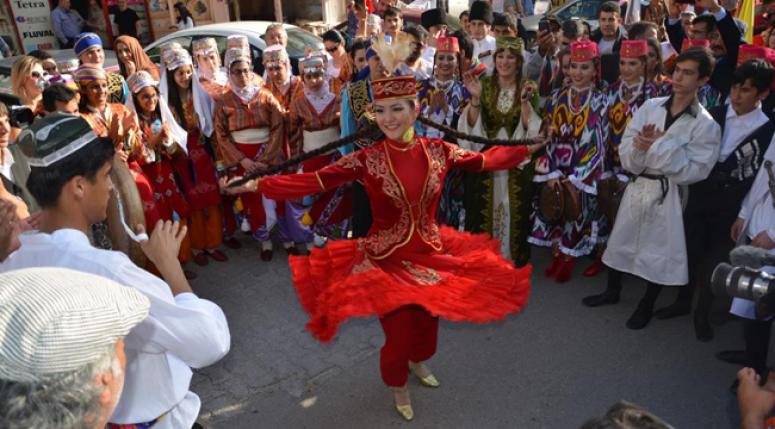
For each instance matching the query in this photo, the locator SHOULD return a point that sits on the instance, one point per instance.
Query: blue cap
(86, 41)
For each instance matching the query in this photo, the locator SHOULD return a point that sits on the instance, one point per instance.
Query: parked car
(298, 40)
(584, 9)
(60, 55)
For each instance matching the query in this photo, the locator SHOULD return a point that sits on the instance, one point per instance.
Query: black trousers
(710, 212)
(361, 221)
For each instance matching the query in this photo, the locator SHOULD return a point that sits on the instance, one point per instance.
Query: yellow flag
(746, 14)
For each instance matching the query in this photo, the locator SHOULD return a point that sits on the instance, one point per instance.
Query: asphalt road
(554, 365)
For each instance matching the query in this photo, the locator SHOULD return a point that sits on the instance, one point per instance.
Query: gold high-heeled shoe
(427, 381)
(405, 411)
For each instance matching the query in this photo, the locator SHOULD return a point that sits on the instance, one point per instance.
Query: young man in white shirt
(670, 142)
(70, 179)
(713, 203)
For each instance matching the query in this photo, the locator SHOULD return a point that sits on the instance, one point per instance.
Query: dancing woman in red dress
(408, 270)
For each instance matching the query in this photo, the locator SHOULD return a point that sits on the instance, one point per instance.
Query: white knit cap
(56, 320)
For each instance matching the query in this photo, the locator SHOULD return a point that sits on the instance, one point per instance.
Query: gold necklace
(406, 147)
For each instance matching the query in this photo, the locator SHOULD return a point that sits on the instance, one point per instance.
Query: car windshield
(586, 9)
(298, 40)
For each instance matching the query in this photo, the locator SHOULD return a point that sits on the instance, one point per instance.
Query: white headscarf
(140, 80)
(204, 105)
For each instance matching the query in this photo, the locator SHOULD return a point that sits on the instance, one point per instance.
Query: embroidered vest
(360, 97)
(743, 163)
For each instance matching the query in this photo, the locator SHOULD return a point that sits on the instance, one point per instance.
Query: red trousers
(411, 334)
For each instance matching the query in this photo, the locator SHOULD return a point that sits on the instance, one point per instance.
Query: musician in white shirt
(70, 179)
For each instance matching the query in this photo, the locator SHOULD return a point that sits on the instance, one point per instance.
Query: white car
(298, 39)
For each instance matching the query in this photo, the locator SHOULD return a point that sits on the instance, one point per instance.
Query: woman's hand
(439, 102)
(224, 183)
(474, 87)
(122, 156)
(529, 89)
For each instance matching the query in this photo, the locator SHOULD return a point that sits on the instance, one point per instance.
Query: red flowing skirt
(469, 281)
(197, 175)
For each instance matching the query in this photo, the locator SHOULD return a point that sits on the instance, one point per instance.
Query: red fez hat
(754, 52)
(691, 43)
(396, 87)
(634, 49)
(583, 51)
(447, 44)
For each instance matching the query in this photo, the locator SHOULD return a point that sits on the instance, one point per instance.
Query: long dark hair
(156, 111)
(372, 132)
(173, 96)
(184, 13)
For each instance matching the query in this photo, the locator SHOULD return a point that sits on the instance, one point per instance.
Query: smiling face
(631, 69)
(395, 117)
(507, 63)
(97, 93)
(478, 29)
(183, 76)
(147, 100)
(582, 75)
(446, 65)
(95, 55)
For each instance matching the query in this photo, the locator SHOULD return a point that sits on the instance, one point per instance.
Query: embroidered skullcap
(373, 21)
(85, 42)
(275, 54)
(89, 72)
(509, 42)
(165, 49)
(55, 137)
(140, 80)
(397, 87)
(311, 65)
(237, 54)
(315, 51)
(177, 58)
(204, 46)
(57, 320)
(237, 41)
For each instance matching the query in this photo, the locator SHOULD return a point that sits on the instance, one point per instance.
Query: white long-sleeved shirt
(737, 127)
(180, 333)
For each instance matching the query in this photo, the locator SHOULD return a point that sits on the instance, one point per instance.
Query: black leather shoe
(266, 255)
(640, 318)
(702, 329)
(605, 298)
(673, 310)
(735, 357)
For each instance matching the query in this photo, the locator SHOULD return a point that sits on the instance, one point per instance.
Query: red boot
(596, 268)
(551, 269)
(565, 270)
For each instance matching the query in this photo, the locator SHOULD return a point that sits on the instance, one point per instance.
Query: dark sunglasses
(332, 49)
